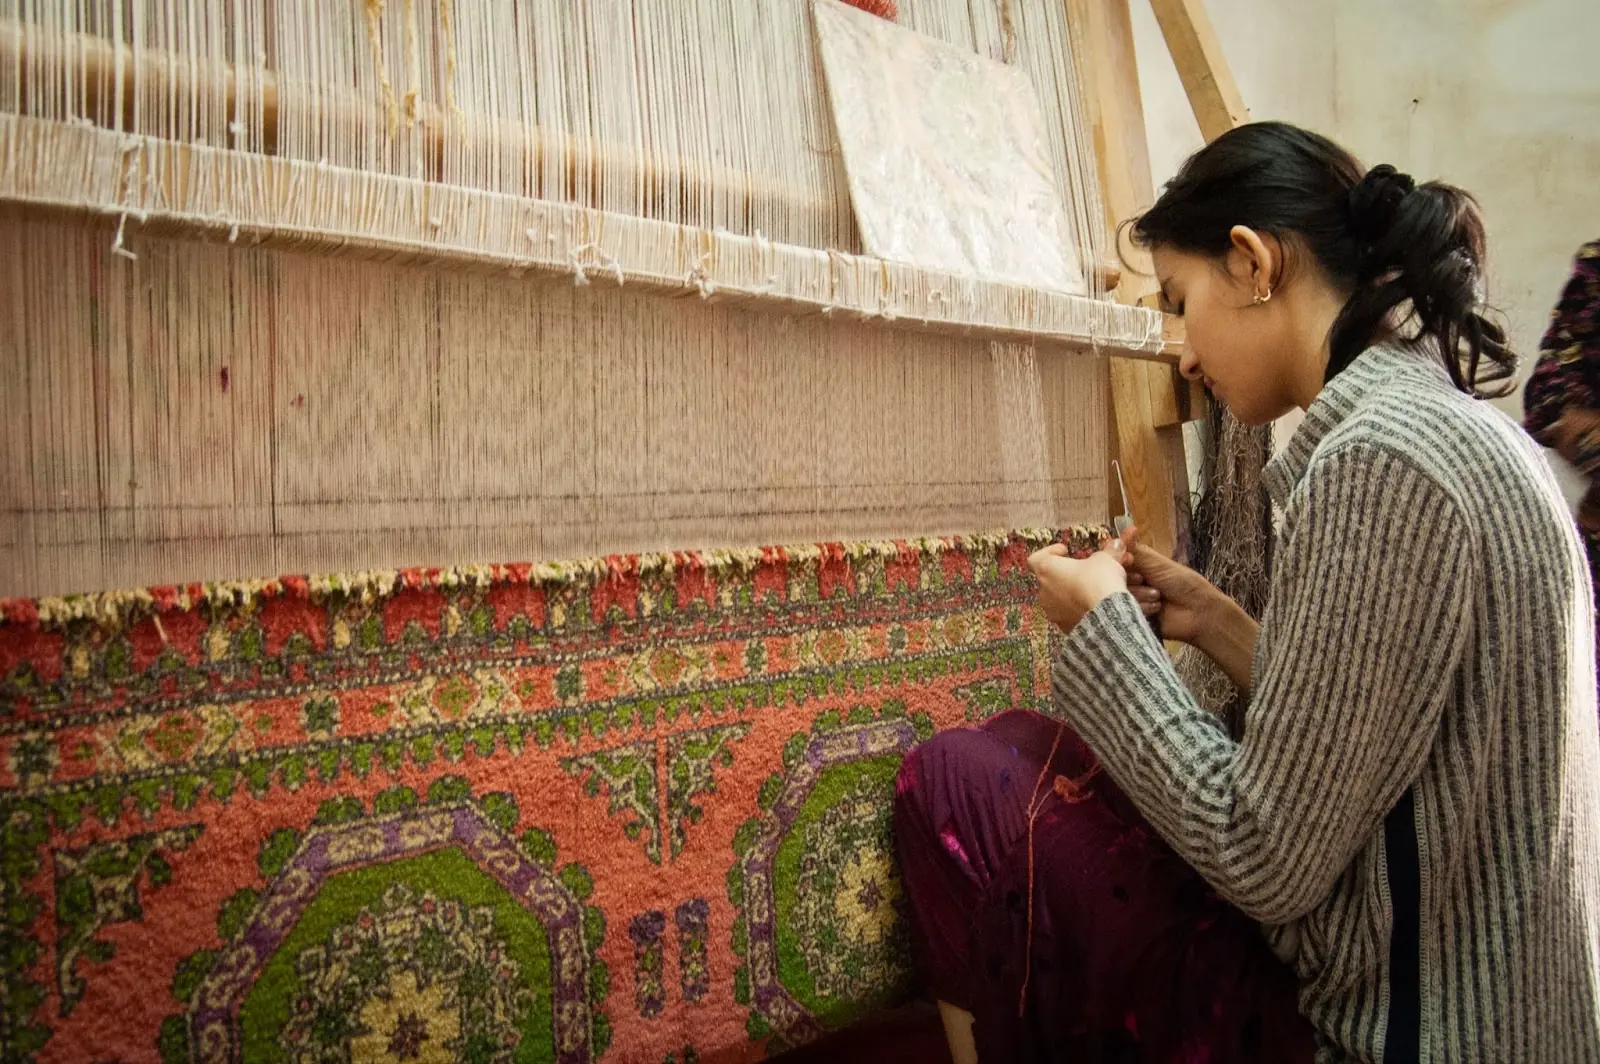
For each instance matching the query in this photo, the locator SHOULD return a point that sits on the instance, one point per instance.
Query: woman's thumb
(1149, 560)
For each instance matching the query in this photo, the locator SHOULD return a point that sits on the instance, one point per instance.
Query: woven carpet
(634, 809)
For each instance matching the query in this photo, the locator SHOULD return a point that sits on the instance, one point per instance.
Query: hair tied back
(1375, 202)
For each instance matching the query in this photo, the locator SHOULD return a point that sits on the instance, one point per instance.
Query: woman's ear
(1260, 256)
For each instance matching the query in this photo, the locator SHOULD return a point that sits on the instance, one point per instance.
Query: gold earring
(1260, 299)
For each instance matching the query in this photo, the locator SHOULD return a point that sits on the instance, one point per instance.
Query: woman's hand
(1181, 599)
(1190, 609)
(1070, 587)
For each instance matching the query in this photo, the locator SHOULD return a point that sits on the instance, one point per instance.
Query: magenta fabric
(1133, 958)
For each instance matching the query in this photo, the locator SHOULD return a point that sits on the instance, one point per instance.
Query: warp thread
(1008, 31)
(374, 12)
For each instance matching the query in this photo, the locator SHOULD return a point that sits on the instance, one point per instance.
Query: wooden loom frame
(1150, 401)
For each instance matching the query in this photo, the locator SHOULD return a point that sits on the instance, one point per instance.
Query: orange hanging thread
(1035, 804)
(1072, 791)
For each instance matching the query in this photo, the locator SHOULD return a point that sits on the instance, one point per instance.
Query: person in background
(1397, 857)
(1561, 401)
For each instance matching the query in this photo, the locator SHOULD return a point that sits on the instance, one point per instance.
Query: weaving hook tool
(1125, 521)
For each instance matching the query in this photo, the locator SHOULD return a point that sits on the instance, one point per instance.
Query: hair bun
(1375, 201)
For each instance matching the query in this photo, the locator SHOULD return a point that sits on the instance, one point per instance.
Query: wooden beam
(1192, 40)
(1139, 398)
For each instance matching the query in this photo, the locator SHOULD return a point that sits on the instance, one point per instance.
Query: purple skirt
(1130, 956)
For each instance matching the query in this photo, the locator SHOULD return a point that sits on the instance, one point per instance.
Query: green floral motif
(446, 929)
(33, 758)
(985, 698)
(848, 898)
(174, 737)
(692, 758)
(667, 667)
(627, 776)
(818, 903)
(99, 886)
(321, 715)
(454, 695)
(415, 977)
(569, 683)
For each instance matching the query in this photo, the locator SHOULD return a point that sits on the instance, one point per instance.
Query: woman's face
(1238, 347)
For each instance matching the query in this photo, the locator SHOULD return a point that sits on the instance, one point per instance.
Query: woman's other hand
(1070, 587)
(1181, 599)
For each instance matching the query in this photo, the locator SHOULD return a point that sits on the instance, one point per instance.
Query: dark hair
(1397, 247)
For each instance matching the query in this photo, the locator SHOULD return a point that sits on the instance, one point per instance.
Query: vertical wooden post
(1207, 80)
(1143, 396)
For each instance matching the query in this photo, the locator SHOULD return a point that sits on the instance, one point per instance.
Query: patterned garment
(1568, 372)
(1567, 377)
(1133, 958)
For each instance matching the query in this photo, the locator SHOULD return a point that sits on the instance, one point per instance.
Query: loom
(433, 300)
(377, 286)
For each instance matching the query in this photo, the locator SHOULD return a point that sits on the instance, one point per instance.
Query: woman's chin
(1245, 416)
(1248, 414)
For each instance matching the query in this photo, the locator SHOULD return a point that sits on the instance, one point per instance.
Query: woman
(1410, 812)
(1562, 398)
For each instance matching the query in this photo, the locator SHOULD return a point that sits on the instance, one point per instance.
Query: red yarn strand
(1035, 805)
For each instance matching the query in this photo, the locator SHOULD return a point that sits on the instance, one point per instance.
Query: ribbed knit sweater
(1413, 809)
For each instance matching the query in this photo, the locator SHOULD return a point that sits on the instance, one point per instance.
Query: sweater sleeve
(1369, 619)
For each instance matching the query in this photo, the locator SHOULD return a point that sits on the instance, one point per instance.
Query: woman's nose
(1189, 365)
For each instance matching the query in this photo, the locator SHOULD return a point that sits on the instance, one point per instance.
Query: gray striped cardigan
(1412, 811)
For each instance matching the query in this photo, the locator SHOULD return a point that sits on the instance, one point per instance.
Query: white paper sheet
(944, 154)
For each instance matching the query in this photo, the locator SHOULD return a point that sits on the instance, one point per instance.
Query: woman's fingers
(1037, 559)
(1148, 598)
(1118, 548)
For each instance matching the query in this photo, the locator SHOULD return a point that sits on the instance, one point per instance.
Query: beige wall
(1501, 97)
